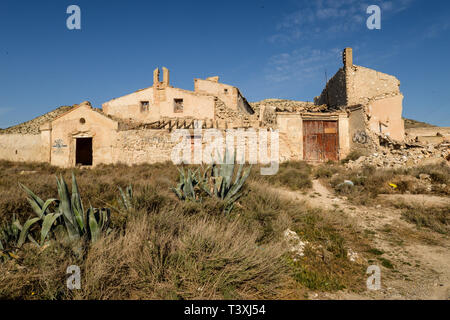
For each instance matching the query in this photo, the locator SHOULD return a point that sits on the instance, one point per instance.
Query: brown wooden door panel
(320, 140)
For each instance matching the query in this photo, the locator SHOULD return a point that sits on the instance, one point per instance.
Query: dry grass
(434, 218)
(169, 249)
(295, 175)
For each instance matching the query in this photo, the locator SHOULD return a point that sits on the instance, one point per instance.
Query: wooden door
(320, 140)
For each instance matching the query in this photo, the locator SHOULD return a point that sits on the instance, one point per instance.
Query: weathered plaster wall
(291, 136)
(228, 94)
(22, 147)
(358, 136)
(196, 106)
(386, 117)
(344, 135)
(129, 106)
(161, 104)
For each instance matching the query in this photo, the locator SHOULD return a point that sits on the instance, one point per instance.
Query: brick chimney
(155, 77)
(165, 76)
(347, 57)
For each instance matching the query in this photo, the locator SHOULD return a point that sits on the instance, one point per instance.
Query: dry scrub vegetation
(165, 248)
(370, 182)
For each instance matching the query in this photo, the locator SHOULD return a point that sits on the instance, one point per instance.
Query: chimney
(156, 76)
(347, 58)
(165, 76)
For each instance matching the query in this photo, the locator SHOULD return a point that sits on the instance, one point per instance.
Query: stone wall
(150, 146)
(142, 146)
(335, 92)
(364, 84)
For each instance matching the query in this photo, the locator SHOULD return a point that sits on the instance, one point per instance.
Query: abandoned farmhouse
(356, 106)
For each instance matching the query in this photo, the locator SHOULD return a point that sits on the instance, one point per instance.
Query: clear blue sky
(269, 49)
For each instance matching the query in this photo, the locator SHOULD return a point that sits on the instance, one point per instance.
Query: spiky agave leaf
(25, 229)
(98, 222)
(47, 224)
(77, 205)
(94, 229)
(65, 208)
(37, 204)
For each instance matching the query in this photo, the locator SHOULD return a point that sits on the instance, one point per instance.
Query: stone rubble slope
(392, 154)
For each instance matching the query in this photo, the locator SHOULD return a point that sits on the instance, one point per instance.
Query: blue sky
(269, 49)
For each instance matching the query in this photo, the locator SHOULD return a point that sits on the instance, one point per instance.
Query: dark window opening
(177, 105)
(82, 120)
(145, 105)
(83, 155)
(225, 91)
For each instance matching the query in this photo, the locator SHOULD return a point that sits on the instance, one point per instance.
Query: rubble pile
(281, 105)
(391, 154)
(225, 113)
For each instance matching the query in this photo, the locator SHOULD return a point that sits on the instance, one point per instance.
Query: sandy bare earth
(421, 257)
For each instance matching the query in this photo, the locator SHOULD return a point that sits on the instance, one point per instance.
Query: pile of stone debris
(222, 112)
(391, 154)
(281, 105)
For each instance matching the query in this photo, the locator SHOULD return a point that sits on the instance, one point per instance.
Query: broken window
(177, 105)
(144, 106)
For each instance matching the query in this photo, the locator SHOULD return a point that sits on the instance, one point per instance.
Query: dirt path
(421, 258)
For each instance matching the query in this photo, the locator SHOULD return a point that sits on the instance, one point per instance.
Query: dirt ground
(420, 257)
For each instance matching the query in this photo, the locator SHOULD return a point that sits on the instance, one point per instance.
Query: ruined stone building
(356, 105)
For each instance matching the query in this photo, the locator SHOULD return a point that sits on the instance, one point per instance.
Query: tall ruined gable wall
(364, 84)
(334, 93)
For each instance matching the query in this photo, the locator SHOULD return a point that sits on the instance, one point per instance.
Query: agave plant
(9, 234)
(126, 198)
(220, 180)
(223, 182)
(69, 217)
(189, 186)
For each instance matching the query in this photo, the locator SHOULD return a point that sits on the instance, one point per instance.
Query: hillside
(409, 123)
(32, 126)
